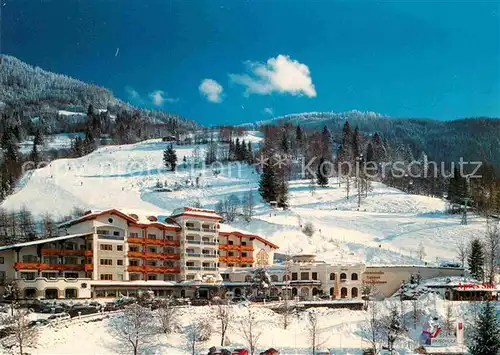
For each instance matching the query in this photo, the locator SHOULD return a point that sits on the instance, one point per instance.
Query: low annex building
(103, 253)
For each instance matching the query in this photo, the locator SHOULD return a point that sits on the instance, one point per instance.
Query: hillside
(58, 99)
(442, 141)
(388, 228)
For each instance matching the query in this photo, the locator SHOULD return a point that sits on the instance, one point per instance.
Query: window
(152, 236)
(71, 275)
(274, 278)
(314, 275)
(110, 220)
(230, 242)
(120, 277)
(29, 259)
(119, 262)
(230, 253)
(354, 277)
(294, 276)
(206, 264)
(107, 277)
(28, 275)
(2, 277)
(332, 276)
(286, 278)
(189, 277)
(133, 235)
(106, 247)
(205, 252)
(354, 292)
(102, 231)
(189, 263)
(244, 255)
(134, 248)
(151, 263)
(119, 247)
(152, 250)
(106, 262)
(243, 243)
(304, 276)
(343, 276)
(170, 251)
(73, 260)
(2, 260)
(134, 262)
(116, 233)
(49, 275)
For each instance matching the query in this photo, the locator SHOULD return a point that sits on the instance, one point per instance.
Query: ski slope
(387, 229)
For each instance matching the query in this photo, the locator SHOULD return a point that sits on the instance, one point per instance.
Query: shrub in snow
(308, 229)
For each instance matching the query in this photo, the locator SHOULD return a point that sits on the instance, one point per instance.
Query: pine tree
(267, 183)
(475, 259)
(250, 154)
(284, 143)
(322, 173)
(485, 337)
(170, 158)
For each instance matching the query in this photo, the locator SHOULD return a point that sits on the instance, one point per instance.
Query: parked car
(322, 352)
(82, 310)
(270, 351)
(215, 351)
(59, 317)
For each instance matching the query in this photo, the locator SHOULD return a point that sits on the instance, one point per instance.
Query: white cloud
(269, 111)
(281, 74)
(133, 95)
(157, 97)
(211, 89)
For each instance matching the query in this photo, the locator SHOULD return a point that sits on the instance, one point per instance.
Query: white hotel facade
(111, 252)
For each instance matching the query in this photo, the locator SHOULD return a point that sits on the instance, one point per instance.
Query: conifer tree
(250, 153)
(475, 260)
(267, 183)
(485, 337)
(170, 158)
(322, 173)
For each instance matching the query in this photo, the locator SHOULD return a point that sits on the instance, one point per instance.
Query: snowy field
(388, 228)
(340, 331)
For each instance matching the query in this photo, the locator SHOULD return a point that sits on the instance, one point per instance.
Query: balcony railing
(209, 268)
(65, 252)
(111, 237)
(190, 241)
(151, 255)
(229, 247)
(155, 269)
(45, 266)
(209, 230)
(209, 243)
(246, 259)
(164, 242)
(195, 255)
(194, 267)
(209, 255)
(247, 248)
(196, 229)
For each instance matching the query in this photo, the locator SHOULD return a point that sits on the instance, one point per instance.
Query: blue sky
(221, 62)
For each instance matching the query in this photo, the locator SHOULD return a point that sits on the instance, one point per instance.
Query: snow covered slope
(388, 228)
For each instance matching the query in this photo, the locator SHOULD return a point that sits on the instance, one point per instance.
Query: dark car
(82, 310)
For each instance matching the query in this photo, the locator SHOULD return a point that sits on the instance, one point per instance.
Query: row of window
(48, 275)
(109, 247)
(109, 262)
(152, 249)
(306, 276)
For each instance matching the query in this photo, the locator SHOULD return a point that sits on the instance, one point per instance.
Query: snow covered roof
(140, 219)
(225, 229)
(43, 241)
(195, 212)
(134, 283)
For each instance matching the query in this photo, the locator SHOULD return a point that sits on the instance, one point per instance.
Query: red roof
(254, 236)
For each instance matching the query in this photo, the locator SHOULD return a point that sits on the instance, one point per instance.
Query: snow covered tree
(248, 206)
(462, 251)
(322, 173)
(133, 328)
(421, 251)
(492, 251)
(485, 337)
(261, 281)
(224, 316)
(170, 158)
(308, 229)
(268, 183)
(370, 329)
(22, 334)
(198, 331)
(391, 328)
(314, 331)
(475, 259)
(167, 315)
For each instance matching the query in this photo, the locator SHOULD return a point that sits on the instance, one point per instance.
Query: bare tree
(492, 251)
(248, 206)
(250, 331)
(12, 292)
(448, 323)
(421, 251)
(229, 207)
(224, 316)
(370, 329)
(314, 331)
(133, 328)
(415, 306)
(462, 252)
(285, 309)
(167, 315)
(22, 334)
(198, 331)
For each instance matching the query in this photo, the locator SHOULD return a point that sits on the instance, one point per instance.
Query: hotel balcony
(66, 252)
(209, 268)
(149, 241)
(154, 269)
(58, 267)
(151, 255)
(193, 267)
(195, 229)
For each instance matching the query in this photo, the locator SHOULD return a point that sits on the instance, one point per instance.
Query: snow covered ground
(340, 331)
(388, 228)
(57, 141)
